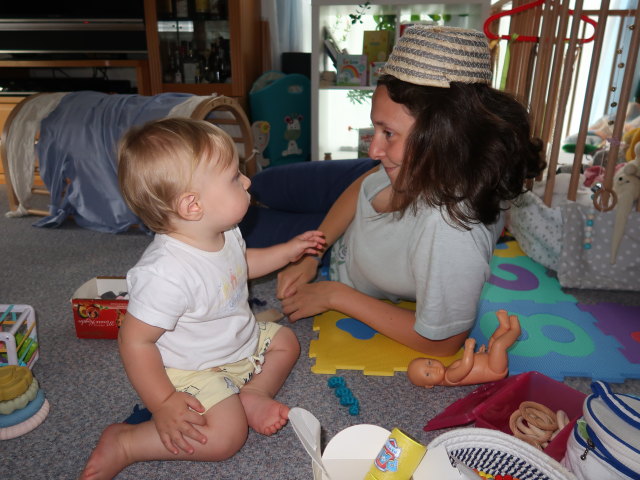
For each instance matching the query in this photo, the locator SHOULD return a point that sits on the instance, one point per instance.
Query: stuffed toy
(592, 143)
(626, 185)
(260, 131)
(595, 174)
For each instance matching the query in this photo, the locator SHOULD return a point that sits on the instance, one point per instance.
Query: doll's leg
(503, 326)
(497, 355)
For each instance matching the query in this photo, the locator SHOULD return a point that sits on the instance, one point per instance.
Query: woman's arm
(335, 223)
(390, 320)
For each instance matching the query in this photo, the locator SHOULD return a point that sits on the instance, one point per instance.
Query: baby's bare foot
(264, 414)
(109, 457)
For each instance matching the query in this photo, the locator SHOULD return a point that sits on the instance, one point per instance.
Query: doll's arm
(458, 371)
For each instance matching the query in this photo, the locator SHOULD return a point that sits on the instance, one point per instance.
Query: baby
(191, 347)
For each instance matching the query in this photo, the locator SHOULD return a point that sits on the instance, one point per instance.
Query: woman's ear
(189, 207)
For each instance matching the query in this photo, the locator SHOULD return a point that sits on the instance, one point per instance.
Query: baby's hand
(310, 243)
(175, 420)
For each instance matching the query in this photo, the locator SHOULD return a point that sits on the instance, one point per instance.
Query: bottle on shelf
(178, 75)
(201, 10)
(165, 9)
(169, 75)
(219, 63)
(220, 8)
(190, 65)
(214, 9)
(206, 66)
(183, 9)
(214, 70)
(225, 60)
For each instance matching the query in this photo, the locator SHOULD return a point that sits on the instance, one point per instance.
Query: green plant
(359, 97)
(360, 11)
(385, 22)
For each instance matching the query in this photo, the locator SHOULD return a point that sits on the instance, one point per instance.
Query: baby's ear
(189, 207)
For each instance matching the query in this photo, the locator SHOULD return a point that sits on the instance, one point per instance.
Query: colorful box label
(95, 316)
(352, 70)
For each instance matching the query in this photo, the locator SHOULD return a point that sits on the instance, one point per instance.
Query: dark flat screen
(52, 9)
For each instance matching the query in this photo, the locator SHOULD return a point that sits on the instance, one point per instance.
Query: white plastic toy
(18, 335)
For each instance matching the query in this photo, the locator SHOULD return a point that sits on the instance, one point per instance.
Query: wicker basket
(497, 453)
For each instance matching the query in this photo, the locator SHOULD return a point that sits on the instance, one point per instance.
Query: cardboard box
(365, 137)
(375, 70)
(350, 454)
(95, 316)
(376, 45)
(352, 70)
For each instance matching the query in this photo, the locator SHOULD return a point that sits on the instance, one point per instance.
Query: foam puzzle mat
(560, 336)
(348, 344)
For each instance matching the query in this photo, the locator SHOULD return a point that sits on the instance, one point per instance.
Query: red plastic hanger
(528, 38)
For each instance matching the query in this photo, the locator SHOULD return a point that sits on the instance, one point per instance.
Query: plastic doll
(485, 365)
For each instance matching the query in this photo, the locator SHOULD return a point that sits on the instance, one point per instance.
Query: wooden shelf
(335, 116)
(245, 34)
(141, 67)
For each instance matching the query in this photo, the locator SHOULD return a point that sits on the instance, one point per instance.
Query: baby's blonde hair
(156, 162)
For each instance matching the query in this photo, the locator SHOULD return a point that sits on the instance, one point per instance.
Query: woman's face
(392, 125)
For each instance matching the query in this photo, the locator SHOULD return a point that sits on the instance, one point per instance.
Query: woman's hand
(175, 421)
(295, 275)
(310, 299)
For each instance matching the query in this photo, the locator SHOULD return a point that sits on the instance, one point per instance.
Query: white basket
(497, 453)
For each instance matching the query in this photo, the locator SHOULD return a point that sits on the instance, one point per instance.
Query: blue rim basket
(497, 453)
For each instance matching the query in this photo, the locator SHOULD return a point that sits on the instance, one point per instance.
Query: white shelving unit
(335, 117)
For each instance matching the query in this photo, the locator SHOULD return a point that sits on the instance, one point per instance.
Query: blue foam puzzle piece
(559, 340)
(356, 328)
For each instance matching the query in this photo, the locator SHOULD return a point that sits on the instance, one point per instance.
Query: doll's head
(426, 372)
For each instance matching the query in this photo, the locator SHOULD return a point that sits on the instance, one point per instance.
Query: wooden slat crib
(591, 239)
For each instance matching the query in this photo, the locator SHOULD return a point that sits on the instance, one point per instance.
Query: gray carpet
(87, 388)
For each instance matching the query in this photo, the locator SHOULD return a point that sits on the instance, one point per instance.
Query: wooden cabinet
(239, 26)
(6, 106)
(338, 112)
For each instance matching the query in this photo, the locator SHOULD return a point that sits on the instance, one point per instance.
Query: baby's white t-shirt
(200, 298)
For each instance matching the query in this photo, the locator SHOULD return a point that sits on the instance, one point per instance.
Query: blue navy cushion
(306, 187)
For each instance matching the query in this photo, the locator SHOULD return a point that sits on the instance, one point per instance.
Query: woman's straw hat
(437, 56)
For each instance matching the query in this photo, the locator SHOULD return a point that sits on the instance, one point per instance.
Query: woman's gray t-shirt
(418, 257)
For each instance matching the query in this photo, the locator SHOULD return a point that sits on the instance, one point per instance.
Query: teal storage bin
(284, 101)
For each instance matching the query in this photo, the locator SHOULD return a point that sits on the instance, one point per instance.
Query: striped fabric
(436, 56)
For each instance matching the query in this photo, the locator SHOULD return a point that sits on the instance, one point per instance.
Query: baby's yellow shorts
(213, 385)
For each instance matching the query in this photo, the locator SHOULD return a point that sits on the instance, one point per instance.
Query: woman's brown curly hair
(470, 149)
